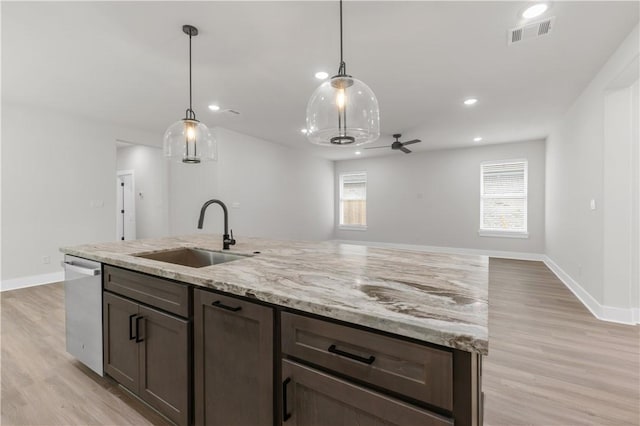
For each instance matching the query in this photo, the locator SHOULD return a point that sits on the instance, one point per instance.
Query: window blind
(504, 196)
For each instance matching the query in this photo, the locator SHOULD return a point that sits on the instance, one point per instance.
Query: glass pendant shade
(343, 111)
(189, 141)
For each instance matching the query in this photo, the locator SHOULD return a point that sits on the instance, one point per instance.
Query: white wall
(151, 188)
(618, 196)
(575, 234)
(635, 138)
(433, 198)
(58, 186)
(277, 192)
(58, 189)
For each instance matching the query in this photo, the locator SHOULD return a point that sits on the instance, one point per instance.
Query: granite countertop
(433, 297)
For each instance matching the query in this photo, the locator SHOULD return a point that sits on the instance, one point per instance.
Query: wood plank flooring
(550, 362)
(41, 383)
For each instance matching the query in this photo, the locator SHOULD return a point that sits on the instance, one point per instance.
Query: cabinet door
(164, 364)
(311, 397)
(120, 347)
(233, 343)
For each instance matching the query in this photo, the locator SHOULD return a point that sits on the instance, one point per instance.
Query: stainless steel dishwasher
(83, 307)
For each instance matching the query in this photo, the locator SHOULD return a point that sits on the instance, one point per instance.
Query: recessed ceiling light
(358, 152)
(477, 139)
(304, 131)
(214, 107)
(470, 101)
(535, 10)
(321, 75)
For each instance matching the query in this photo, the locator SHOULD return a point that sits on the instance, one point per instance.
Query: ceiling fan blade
(405, 150)
(376, 147)
(410, 142)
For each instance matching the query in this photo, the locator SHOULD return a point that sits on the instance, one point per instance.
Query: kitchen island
(333, 333)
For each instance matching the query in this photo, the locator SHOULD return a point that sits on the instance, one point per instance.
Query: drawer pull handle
(285, 412)
(138, 339)
(337, 351)
(131, 336)
(219, 304)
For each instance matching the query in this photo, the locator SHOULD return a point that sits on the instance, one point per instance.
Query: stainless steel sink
(193, 257)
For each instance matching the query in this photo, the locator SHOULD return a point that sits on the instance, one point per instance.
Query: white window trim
(353, 227)
(340, 208)
(503, 233)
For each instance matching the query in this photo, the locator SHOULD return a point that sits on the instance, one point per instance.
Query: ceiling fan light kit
(343, 110)
(188, 140)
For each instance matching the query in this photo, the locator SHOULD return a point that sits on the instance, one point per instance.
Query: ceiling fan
(398, 145)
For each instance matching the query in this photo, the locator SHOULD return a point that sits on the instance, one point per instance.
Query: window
(353, 200)
(503, 198)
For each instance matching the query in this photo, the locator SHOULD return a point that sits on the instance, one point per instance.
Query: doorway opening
(147, 213)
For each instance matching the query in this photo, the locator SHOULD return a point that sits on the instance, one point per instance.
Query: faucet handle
(232, 241)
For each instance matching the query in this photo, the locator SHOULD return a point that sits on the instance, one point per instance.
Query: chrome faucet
(226, 240)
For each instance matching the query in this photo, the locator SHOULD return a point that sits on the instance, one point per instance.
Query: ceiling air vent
(530, 31)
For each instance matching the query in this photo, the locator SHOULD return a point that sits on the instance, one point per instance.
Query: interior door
(126, 212)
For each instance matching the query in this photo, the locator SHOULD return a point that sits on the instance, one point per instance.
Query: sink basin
(193, 257)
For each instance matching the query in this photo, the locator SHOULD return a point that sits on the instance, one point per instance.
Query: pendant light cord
(343, 67)
(190, 114)
(190, 103)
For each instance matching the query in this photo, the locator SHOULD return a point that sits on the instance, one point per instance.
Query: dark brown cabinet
(233, 356)
(251, 364)
(335, 374)
(311, 397)
(164, 364)
(148, 351)
(417, 371)
(120, 349)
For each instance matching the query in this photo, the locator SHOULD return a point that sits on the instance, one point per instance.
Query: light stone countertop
(433, 297)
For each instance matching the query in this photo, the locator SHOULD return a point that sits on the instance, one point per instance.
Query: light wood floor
(550, 362)
(41, 383)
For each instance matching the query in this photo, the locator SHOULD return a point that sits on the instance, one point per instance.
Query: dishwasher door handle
(80, 269)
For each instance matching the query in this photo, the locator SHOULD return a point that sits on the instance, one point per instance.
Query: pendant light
(188, 140)
(343, 110)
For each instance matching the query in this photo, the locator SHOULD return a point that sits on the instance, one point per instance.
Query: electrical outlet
(592, 204)
(235, 205)
(46, 260)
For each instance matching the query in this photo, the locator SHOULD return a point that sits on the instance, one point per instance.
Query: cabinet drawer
(419, 372)
(162, 294)
(311, 397)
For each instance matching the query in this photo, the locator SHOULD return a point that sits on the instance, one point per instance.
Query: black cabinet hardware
(219, 304)
(138, 339)
(131, 336)
(358, 358)
(285, 412)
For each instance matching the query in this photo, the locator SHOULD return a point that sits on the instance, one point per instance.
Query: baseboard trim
(450, 250)
(31, 281)
(602, 312)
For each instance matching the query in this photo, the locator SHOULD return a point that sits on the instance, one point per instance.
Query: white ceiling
(126, 62)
